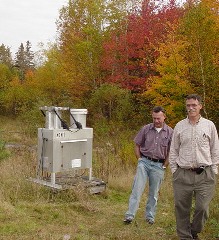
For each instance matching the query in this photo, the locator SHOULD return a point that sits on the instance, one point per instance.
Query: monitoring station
(65, 150)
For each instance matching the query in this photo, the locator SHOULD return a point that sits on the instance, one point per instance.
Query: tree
(18, 92)
(171, 86)
(5, 72)
(129, 55)
(80, 29)
(111, 104)
(29, 56)
(200, 26)
(83, 26)
(24, 60)
(5, 55)
(187, 62)
(51, 81)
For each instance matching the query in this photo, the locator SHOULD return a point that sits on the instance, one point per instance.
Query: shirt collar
(163, 128)
(200, 118)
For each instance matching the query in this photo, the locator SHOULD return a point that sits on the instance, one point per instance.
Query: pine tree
(29, 56)
(24, 59)
(5, 55)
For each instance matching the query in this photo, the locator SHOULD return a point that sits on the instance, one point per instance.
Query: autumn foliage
(155, 51)
(129, 56)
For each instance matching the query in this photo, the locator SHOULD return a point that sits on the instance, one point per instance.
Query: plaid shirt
(194, 145)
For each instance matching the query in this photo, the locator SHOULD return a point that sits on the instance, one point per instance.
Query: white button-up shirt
(193, 146)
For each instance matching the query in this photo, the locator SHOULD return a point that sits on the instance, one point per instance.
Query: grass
(31, 211)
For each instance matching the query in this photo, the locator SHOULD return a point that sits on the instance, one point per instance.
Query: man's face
(193, 107)
(158, 119)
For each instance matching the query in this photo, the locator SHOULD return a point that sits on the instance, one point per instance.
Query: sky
(28, 20)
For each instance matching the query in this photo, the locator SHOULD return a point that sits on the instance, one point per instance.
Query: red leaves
(129, 56)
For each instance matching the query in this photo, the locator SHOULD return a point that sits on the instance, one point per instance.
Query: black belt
(154, 159)
(198, 170)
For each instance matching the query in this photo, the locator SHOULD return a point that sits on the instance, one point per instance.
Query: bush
(111, 103)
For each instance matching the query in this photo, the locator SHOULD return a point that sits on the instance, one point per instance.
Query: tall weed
(4, 153)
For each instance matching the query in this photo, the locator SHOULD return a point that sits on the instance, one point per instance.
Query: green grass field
(32, 211)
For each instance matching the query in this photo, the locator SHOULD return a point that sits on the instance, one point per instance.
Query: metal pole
(53, 178)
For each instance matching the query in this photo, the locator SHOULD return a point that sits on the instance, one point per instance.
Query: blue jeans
(154, 172)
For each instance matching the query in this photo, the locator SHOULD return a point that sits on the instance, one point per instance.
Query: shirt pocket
(165, 141)
(203, 139)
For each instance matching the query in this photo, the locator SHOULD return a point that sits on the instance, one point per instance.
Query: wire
(43, 112)
(78, 124)
(64, 124)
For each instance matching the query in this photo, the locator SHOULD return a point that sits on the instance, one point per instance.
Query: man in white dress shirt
(194, 155)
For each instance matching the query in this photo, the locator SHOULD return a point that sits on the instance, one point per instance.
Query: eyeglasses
(192, 105)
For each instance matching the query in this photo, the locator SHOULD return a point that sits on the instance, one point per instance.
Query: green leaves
(111, 102)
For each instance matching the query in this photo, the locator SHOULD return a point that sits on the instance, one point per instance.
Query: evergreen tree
(29, 56)
(5, 55)
(24, 59)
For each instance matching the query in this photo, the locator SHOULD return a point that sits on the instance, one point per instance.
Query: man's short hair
(195, 97)
(158, 109)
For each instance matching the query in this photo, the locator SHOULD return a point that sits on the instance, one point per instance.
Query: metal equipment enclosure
(63, 150)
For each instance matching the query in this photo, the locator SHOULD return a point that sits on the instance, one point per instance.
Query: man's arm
(174, 151)
(166, 163)
(214, 146)
(137, 151)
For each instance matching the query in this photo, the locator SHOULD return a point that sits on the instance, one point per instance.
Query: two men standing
(193, 156)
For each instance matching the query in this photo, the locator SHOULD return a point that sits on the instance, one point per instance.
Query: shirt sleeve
(140, 137)
(174, 150)
(214, 146)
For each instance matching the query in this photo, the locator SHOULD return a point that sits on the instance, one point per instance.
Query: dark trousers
(186, 185)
